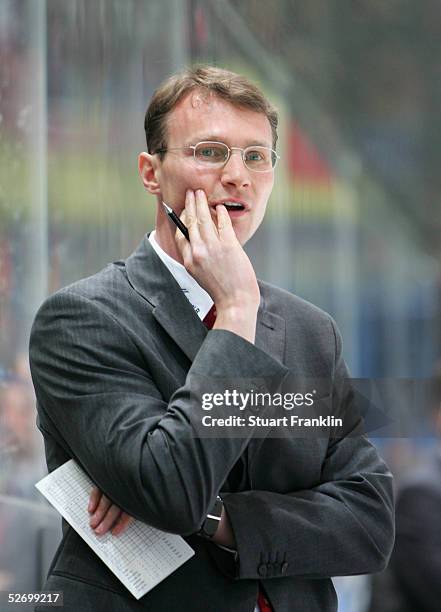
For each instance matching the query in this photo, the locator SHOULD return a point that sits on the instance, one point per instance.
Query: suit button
(262, 570)
(285, 567)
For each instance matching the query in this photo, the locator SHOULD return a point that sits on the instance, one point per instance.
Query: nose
(235, 172)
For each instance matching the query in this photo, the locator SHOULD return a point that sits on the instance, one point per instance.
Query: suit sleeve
(342, 526)
(97, 398)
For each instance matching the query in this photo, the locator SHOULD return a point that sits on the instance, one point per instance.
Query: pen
(176, 220)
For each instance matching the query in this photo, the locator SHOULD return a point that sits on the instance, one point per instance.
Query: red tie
(210, 317)
(264, 604)
(208, 321)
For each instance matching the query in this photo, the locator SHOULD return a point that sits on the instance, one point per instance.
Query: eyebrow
(213, 138)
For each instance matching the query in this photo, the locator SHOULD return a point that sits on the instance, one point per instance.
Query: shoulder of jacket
(280, 300)
(108, 281)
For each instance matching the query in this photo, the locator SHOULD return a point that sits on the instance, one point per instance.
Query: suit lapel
(180, 321)
(270, 332)
(153, 281)
(171, 309)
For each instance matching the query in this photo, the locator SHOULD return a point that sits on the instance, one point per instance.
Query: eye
(255, 155)
(211, 152)
(258, 158)
(207, 152)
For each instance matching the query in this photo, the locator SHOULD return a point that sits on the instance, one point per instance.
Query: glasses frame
(229, 149)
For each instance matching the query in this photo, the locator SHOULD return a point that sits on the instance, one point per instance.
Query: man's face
(198, 118)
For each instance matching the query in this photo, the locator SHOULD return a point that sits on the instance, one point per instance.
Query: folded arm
(342, 524)
(96, 394)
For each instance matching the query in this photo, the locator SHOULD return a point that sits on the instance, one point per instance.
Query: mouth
(234, 207)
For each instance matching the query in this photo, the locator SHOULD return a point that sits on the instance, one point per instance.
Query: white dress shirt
(198, 297)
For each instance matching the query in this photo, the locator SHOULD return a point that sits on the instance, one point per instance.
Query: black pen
(176, 220)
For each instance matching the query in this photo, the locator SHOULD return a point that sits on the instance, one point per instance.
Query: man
(120, 361)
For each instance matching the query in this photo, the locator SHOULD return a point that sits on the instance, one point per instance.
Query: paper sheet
(141, 557)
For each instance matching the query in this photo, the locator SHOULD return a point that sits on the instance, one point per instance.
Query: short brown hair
(229, 86)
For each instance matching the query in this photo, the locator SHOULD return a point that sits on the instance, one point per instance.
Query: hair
(227, 85)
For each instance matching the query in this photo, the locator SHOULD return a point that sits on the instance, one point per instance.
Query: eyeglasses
(216, 155)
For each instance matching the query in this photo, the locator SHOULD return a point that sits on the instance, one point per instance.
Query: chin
(243, 232)
(242, 237)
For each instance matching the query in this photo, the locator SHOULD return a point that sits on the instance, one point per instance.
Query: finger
(112, 515)
(122, 523)
(94, 499)
(191, 220)
(224, 226)
(100, 512)
(207, 228)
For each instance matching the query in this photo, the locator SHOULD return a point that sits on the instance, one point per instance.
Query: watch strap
(212, 520)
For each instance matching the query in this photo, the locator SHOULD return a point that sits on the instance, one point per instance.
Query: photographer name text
(256, 421)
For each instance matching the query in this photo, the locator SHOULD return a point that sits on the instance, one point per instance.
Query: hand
(216, 259)
(106, 516)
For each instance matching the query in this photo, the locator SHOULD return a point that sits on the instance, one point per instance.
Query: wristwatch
(211, 523)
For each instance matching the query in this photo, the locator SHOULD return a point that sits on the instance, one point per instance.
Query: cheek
(264, 191)
(186, 176)
(269, 184)
(203, 179)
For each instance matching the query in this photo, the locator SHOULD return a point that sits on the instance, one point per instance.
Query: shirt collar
(198, 297)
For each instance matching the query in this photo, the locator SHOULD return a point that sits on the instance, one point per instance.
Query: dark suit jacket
(118, 362)
(416, 559)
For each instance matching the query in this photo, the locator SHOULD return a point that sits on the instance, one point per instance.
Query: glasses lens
(260, 158)
(211, 153)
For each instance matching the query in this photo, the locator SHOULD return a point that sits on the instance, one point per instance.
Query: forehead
(200, 117)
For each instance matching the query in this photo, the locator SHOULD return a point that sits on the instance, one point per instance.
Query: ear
(148, 169)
